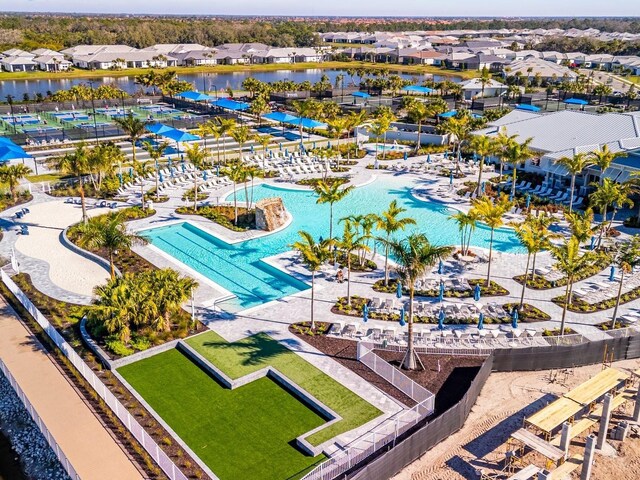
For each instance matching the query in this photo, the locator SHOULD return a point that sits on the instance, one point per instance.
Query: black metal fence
(423, 437)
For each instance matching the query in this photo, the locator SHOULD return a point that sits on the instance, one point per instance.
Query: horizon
(335, 8)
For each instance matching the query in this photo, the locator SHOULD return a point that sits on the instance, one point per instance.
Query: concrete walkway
(92, 451)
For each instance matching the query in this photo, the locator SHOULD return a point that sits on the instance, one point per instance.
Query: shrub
(140, 343)
(117, 347)
(224, 215)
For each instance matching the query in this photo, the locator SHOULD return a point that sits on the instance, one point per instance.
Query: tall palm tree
(226, 127)
(390, 222)
(76, 163)
(134, 128)
(574, 165)
(541, 225)
(492, 214)
(313, 254)
(483, 146)
(354, 119)
(108, 232)
(196, 155)
(516, 154)
(467, 223)
(142, 170)
(458, 130)
(113, 308)
(350, 242)
(170, 291)
(308, 108)
(237, 173)
(338, 125)
(502, 143)
(581, 224)
(627, 256)
(415, 255)
(570, 261)
(264, 141)
(379, 128)
(241, 135)
(609, 194)
(11, 175)
(531, 239)
(330, 193)
(603, 158)
(253, 172)
(156, 152)
(418, 113)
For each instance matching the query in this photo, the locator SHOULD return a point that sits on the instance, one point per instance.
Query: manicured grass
(258, 351)
(46, 177)
(247, 432)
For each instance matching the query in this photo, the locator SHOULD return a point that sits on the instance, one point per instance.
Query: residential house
(424, 57)
(53, 63)
(531, 66)
(185, 53)
(474, 89)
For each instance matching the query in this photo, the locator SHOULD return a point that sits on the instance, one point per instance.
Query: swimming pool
(239, 267)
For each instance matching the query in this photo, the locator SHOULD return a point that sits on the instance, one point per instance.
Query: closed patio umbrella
(160, 177)
(441, 319)
(429, 158)
(440, 268)
(593, 242)
(406, 155)
(204, 176)
(528, 201)
(476, 292)
(120, 178)
(612, 273)
(365, 313)
(451, 178)
(514, 318)
(402, 322)
(399, 289)
(481, 321)
(441, 293)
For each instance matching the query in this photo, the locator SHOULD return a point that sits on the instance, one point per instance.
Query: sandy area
(504, 401)
(67, 269)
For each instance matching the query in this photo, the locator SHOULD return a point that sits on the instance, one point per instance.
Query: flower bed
(312, 182)
(224, 215)
(7, 201)
(150, 196)
(541, 283)
(528, 313)
(556, 332)
(580, 306)
(356, 266)
(494, 289)
(188, 196)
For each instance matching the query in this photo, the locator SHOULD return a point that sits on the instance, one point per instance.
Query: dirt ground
(503, 403)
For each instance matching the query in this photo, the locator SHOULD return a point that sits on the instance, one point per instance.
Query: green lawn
(245, 433)
(253, 353)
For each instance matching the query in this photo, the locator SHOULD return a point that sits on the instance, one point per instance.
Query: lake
(206, 81)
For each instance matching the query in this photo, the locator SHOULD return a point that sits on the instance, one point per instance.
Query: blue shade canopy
(449, 114)
(158, 128)
(308, 123)
(418, 89)
(194, 96)
(360, 94)
(280, 117)
(528, 108)
(576, 101)
(11, 151)
(229, 104)
(179, 136)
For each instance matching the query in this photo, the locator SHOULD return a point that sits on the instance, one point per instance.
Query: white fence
(385, 434)
(139, 433)
(62, 458)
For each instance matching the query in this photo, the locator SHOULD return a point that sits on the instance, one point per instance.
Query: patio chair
(336, 328)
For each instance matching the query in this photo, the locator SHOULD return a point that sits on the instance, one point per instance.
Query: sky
(572, 8)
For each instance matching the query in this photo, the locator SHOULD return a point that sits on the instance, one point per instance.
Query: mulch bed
(449, 385)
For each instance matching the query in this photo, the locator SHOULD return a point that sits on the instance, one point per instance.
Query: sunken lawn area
(240, 358)
(248, 432)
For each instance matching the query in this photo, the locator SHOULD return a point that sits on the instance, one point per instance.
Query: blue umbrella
(482, 186)
(528, 200)
(476, 293)
(365, 313)
(511, 197)
(160, 177)
(593, 242)
(314, 145)
(280, 145)
(131, 172)
(514, 318)
(172, 170)
(120, 178)
(446, 155)
(406, 155)
(399, 289)
(251, 148)
(286, 151)
(475, 157)
(183, 167)
(169, 161)
(440, 268)
(481, 321)
(204, 176)
(441, 320)
(441, 292)
(402, 322)
(328, 144)
(217, 170)
(429, 158)
(451, 178)
(612, 274)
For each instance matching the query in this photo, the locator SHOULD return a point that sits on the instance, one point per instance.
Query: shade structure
(449, 114)
(307, 123)
(11, 151)
(576, 101)
(360, 94)
(194, 96)
(527, 108)
(418, 89)
(282, 117)
(399, 289)
(229, 104)
(179, 135)
(158, 128)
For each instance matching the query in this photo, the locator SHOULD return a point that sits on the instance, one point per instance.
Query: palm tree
(113, 308)
(264, 141)
(338, 125)
(379, 128)
(11, 175)
(516, 154)
(483, 146)
(170, 291)
(314, 254)
(570, 261)
(418, 112)
(308, 108)
(253, 172)
(531, 239)
(134, 128)
(76, 164)
(156, 152)
(541, 225)
(142, 170)
(574, 165)
(350, 242)
(458, 130)
(196, 155)
(108, 232)
(502, 144)
(237, 173)
(603, 159)
(492, 214)
(330, 193)
(627, 256)
(226, 127)
(607, 194)
(467, 223)
(415, 255)
(241, 135)
(390, 222)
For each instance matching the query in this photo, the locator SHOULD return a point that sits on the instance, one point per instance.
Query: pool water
(239, 267)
